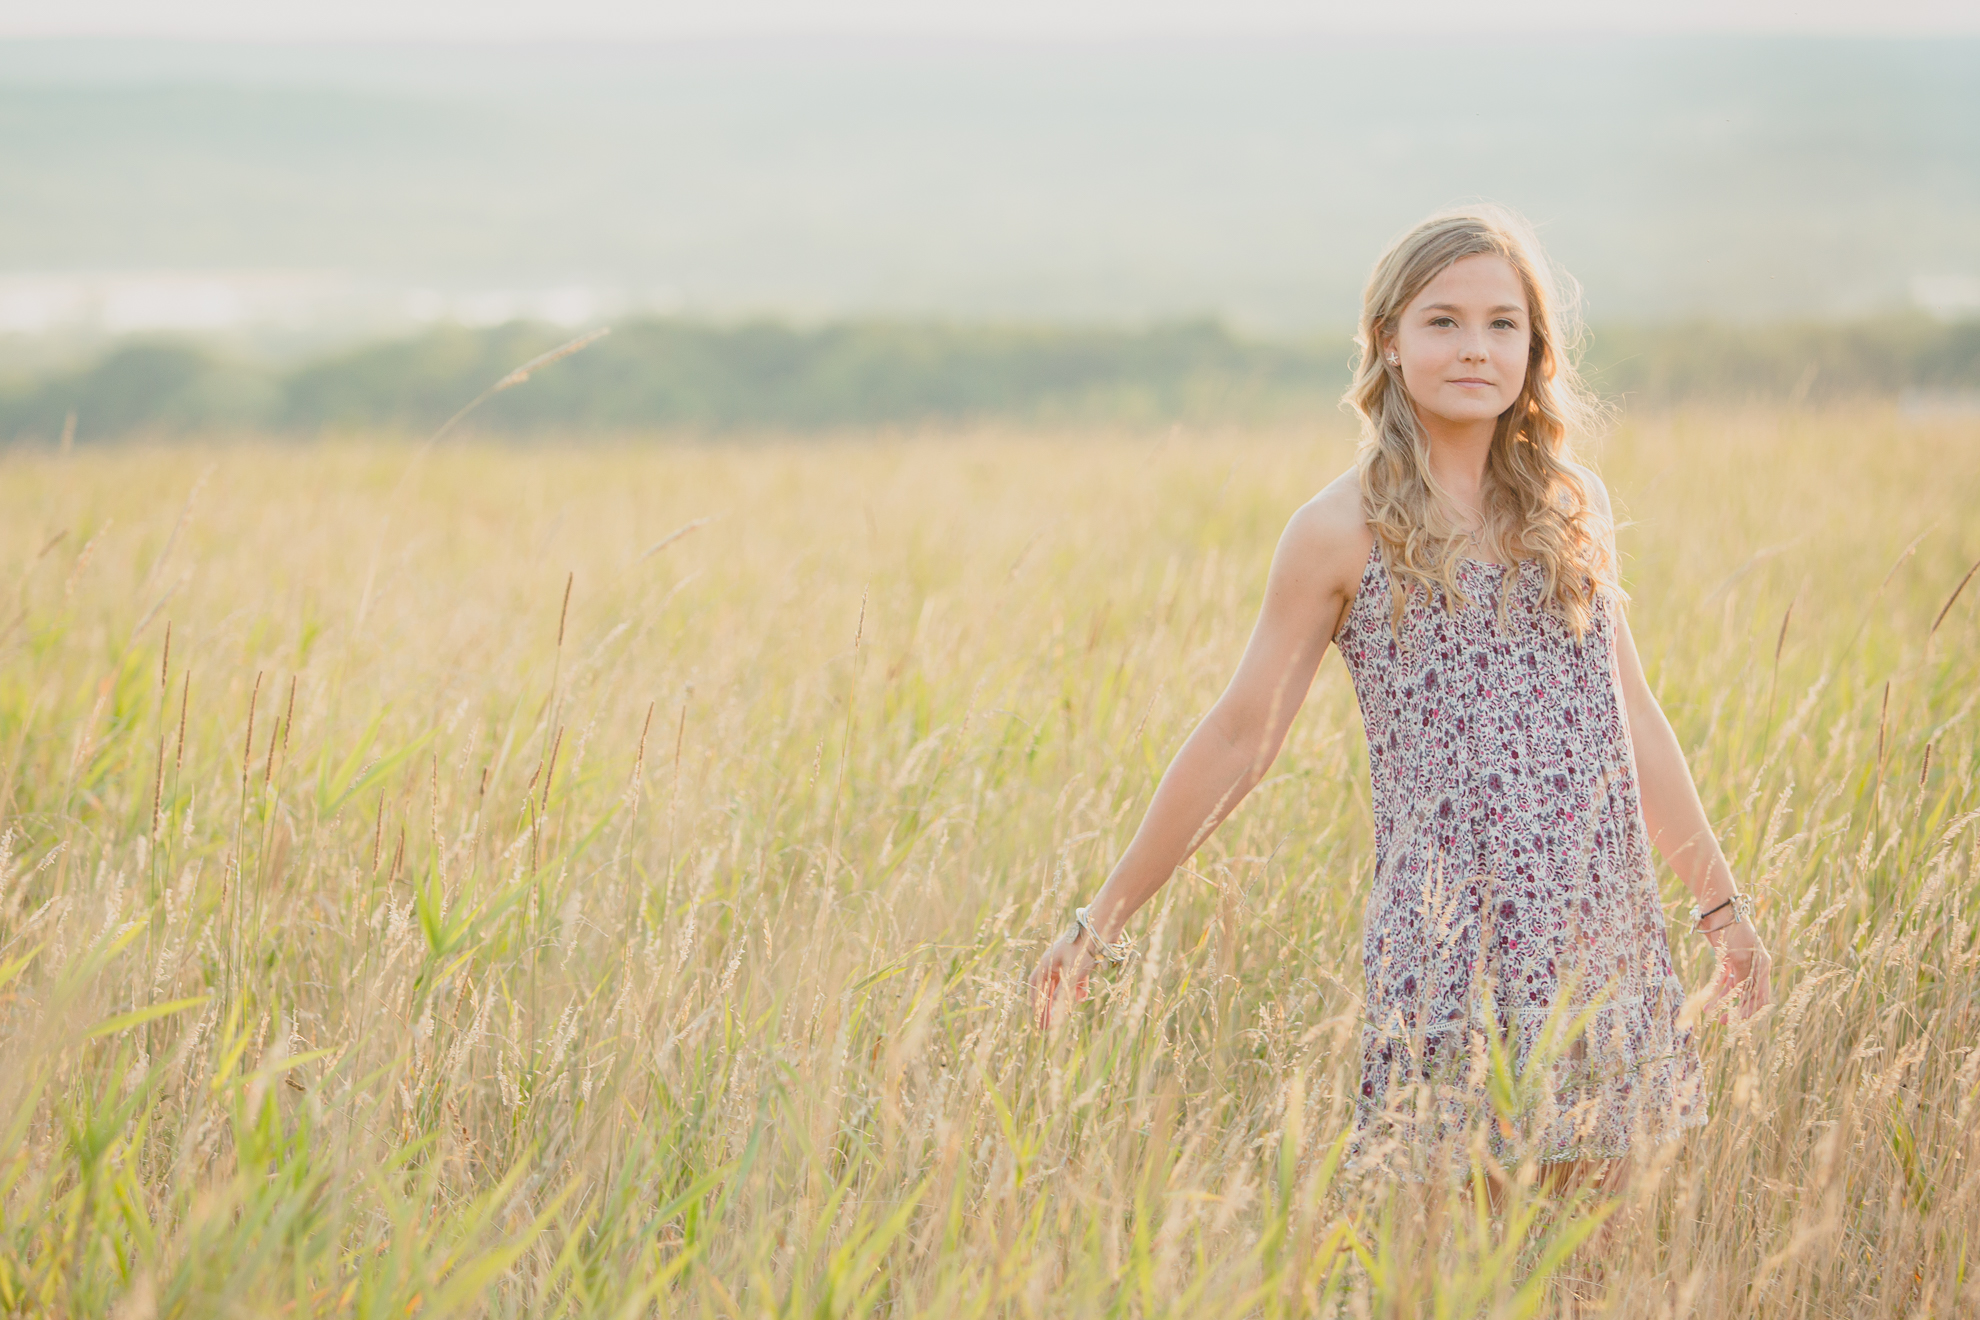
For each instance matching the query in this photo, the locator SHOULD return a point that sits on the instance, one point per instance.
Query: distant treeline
(698, 377)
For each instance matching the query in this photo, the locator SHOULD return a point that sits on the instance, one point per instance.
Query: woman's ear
(1385, 343)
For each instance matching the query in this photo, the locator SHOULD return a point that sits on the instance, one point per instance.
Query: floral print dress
(1518, 974)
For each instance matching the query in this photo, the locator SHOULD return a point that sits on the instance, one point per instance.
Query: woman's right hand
(1061, 977)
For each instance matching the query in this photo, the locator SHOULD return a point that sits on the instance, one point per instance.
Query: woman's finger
(1763, 990)
(1060, 980)
(1746, 970)
(1042, 978)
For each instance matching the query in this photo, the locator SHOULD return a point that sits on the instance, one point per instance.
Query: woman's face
(1462, 344)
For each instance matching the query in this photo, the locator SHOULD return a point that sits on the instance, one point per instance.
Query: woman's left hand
(1744, 968)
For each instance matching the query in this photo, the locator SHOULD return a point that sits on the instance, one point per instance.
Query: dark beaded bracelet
(1741, 905)
(1698, 918)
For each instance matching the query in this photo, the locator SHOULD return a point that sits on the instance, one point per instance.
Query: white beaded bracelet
(1113, 954)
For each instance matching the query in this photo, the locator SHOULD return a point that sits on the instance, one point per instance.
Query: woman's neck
(1458, 455)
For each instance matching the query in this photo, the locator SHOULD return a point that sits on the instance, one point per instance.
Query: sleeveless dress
(1518, 974)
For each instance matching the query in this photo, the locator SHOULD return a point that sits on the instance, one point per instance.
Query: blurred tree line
(699, 377)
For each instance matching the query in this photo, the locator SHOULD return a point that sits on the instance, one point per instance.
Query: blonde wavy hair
(1536, 506)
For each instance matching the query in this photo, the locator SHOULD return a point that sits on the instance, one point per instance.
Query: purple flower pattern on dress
(1514, 897)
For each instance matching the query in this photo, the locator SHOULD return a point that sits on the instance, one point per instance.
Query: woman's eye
(1443, 322)
(1503, 324)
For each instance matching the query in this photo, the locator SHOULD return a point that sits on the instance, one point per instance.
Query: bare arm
(1671, 807)
(1679, 830)
(1677, 823)
(1314, 574)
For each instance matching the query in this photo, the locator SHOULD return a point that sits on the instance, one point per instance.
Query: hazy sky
(500, 20)
(1087, 161)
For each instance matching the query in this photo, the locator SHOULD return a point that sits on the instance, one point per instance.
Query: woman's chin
(1467, 411)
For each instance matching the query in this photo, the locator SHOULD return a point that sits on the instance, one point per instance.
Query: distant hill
(1729, 178)
(682, 376)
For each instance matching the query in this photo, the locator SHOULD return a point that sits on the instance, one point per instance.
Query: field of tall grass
(600, 881)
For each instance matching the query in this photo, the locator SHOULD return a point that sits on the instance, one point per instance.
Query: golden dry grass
(406, 944)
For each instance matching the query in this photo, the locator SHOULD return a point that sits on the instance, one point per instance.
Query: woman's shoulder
(1331, 529)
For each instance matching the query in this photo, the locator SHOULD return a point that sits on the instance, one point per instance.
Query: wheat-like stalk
(521, 374)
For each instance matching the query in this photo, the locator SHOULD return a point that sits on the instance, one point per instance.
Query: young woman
(1521, 766)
